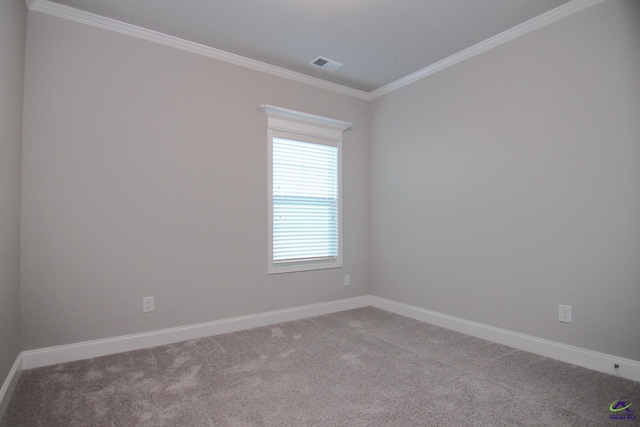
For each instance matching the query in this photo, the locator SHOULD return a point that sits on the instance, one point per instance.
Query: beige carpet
(363, 367)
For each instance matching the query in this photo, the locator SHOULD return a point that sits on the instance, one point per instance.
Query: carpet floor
(363, 367)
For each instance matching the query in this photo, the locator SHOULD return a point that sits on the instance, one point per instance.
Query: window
(305, 209)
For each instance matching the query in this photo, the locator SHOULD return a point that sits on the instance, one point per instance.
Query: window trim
(302, 125)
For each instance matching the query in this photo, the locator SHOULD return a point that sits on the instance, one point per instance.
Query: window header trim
(283, 119)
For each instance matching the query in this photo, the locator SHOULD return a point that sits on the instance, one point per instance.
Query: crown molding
(519, 30)
(66, 12)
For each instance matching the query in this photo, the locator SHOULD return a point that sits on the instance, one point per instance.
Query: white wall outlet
(565, 313)
(147, 304)
(347, 279)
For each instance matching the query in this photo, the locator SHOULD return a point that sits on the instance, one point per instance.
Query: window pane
(305, 201)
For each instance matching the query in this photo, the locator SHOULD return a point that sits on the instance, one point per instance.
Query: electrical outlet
(565, 313)
(347, 279)
(147, 304)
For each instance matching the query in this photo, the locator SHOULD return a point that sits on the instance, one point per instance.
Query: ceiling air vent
(326, 63)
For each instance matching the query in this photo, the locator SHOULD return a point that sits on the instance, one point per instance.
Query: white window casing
(304, 190)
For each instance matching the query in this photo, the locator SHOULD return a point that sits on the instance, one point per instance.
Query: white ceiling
(378, 41)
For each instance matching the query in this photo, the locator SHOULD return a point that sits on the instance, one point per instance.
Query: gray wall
(144, 174)
(497, 188)
(13, 27)
(510, 183)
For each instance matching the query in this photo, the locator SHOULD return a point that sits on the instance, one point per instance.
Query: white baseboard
(629, 369)
(10, 384)
(89, 349)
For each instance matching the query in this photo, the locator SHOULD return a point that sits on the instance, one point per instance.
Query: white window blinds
(305, 202)
(305, 212)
